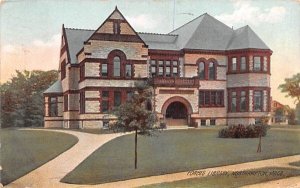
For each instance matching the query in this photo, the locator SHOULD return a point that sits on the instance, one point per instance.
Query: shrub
(242, 131)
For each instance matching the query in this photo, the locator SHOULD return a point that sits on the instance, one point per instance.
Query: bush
(242, 131)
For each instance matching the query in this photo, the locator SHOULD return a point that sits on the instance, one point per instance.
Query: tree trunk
(259, 144)
(135, 149)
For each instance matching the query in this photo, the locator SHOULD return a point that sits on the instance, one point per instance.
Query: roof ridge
(72, 28)
(188, 22)
(158, 34)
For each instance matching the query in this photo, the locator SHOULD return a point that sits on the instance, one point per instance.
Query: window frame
(102, 73)
(115, 69)
(206, 98)
(53, 105)
(260, 64)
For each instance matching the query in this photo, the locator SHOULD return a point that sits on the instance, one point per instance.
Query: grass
(176, 151)
(230, 181)
(25, 150)
(285, 126)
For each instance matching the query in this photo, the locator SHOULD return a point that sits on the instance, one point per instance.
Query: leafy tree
(135, 116)
(292, 87)
(22, 101)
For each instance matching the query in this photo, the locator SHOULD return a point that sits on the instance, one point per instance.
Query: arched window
(211, 71)
(117, 66)
(201, 70)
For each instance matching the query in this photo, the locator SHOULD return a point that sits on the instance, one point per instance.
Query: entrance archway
(177, 111)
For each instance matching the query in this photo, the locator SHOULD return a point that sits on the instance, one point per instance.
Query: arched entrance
(176, 114)
(177, 111)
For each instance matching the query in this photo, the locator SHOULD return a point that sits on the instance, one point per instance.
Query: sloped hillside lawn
(175, 151)
(24, 150)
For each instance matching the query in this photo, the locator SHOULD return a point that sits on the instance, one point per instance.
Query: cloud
(143, 22)
(37, 55)
(246, 13)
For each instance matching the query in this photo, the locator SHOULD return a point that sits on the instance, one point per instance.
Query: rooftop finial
(116, 8)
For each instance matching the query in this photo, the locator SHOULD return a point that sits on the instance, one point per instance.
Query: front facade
(204, 73)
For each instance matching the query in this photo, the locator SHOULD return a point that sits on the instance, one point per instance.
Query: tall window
(104, 101)
(168, 68)
(153, 68)
(117, 28)
(258, 101)
(265, 63)
(175, 68)
(53, 108)
(104, 70)
(243, 66)
(117, 98)
(211, 71)
(63, 70)
(82, 102)
(201, 71)
(129, 95)
(257, 64)
(243, 101)
(233, 101)
(233, 64)
(117, 66)
(66, 101)
(160, 68)
(128, 70)
(211, 98)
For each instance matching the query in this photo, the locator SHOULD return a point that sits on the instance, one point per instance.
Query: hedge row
(243, 131)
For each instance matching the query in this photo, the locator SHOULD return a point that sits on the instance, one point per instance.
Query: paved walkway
(49, 174)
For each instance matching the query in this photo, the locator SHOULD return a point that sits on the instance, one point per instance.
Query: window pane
(243, 101)
(211, 71)
(257, 64)
(104, 106)
(233, 101)
(104, 70)
(53, 107)
(201, 71)
(128, 70)
(168, 71)
(219, 98)
(175, 70)
(105, 94)
(117, 70)
(201, 98)
(257, 100)
(117, 98)
(243, 63)
(175, 63)
(160, 71)
(153, 69)
(207, 97)
(160, 63)
(129, 95)
(213, 98)
(203, 122)
(265, 63)
(153, 62)
(233, 64)
(168, 63)
(212, 122)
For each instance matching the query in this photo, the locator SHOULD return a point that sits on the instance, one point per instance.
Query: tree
(135, 116)
(292, 87)
(22, 101)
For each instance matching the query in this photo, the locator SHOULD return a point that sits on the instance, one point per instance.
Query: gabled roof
(204, 32)
(54, 88)
(244, 38)
(75, 39)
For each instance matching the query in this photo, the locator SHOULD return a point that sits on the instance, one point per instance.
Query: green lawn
(175, 151)
(24, 150)
(230, 181)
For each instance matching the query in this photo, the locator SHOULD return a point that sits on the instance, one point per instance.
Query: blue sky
(30, 30)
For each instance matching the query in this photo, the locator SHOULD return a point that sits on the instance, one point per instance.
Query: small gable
(116, 28)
